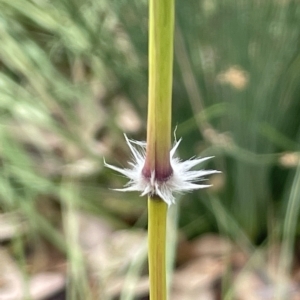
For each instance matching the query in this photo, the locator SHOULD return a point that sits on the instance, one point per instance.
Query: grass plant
(156, 172)
(161, 35)
(65, 66)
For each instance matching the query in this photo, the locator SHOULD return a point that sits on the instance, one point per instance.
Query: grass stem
(161, 40)
(157, 220)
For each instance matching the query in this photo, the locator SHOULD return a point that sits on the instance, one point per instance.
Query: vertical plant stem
(157, 163)
(157, 220)
(161, 40)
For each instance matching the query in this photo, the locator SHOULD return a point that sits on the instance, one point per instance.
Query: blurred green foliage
(66, 66)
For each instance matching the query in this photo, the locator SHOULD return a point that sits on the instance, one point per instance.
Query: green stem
(157, 220)
(161, 40)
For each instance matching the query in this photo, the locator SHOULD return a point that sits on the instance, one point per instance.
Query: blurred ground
(209, 267)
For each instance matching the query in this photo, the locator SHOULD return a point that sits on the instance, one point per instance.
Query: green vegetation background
(70, 70)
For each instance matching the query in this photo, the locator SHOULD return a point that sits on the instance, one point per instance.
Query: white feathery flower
(182, 179)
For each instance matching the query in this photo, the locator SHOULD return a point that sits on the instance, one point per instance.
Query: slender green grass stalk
(161, 35)
(155, 172)
(157, 214)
